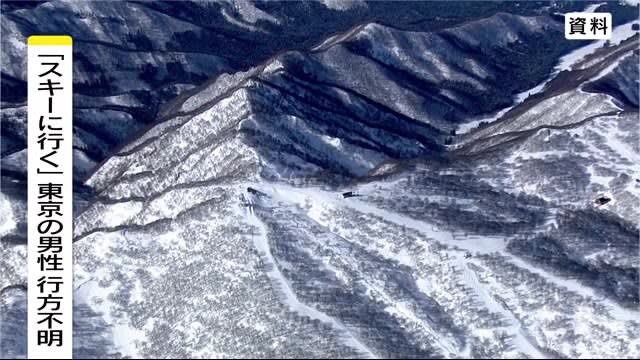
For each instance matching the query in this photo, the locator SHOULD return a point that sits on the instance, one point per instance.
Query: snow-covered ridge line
(338, 38)
(565, 63)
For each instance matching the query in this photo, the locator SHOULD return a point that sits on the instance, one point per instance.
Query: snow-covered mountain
(336, 199)
(134, 59)
(579, 135)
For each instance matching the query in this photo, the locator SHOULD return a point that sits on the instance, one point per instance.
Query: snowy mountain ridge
(320, 204)
(431, 249)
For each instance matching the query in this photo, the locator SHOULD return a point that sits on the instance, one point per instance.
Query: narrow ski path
(520, 339)
(473, 244)
(279, 281)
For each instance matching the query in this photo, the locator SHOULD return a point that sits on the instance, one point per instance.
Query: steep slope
(570, 144)
(305, 114)
(131, 58)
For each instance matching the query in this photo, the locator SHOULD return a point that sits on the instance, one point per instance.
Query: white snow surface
(7, 218)
(261, 242)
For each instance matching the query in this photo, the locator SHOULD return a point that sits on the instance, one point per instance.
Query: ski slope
(261, 242)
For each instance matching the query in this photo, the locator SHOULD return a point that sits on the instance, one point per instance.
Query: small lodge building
(349, 194)
(253, 191)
